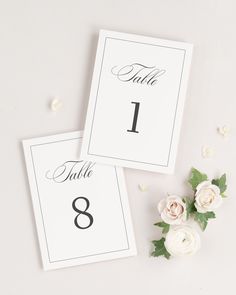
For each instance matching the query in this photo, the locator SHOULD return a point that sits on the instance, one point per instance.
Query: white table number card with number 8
(81, 208)
(136, 101)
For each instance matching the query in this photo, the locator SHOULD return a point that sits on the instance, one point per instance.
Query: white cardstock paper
(136, 101)
(81, 208)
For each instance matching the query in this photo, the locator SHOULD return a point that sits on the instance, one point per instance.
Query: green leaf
(196, 178)
(221, 183)
(160, 249)
(165, 227)
(190, 208)
(202, 218)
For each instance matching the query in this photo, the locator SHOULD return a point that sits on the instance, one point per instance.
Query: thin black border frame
(176, 106)
(41, 211)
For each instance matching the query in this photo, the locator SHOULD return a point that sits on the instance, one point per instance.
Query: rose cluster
(182, 239)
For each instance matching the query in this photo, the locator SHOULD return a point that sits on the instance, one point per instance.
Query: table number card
(136, 101)
(81, 208)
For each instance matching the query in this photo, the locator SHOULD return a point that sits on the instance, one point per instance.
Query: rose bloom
(207, 197)
(172, 210)
(182, 240)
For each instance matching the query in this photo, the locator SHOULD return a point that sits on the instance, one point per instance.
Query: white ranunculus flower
(172, 210)
(182, 240)
(207, 197)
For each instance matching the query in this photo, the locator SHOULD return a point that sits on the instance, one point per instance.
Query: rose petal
(203, 184)
(161, 205)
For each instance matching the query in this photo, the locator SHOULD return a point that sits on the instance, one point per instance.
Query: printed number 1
(136, 110)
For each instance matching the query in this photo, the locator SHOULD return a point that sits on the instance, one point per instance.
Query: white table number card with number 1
(136, 101)
(81, 208)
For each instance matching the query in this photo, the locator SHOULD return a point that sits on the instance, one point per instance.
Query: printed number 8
(84, 212)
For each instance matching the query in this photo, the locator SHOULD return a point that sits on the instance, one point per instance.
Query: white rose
(172, 210)
(207, 197)
(182, 240)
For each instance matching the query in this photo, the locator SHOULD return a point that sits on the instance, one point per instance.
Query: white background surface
(47, 48)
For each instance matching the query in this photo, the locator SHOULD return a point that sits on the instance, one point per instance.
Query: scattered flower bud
(56, 104)
(143, 187)
(224, 131)
(207, 152)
